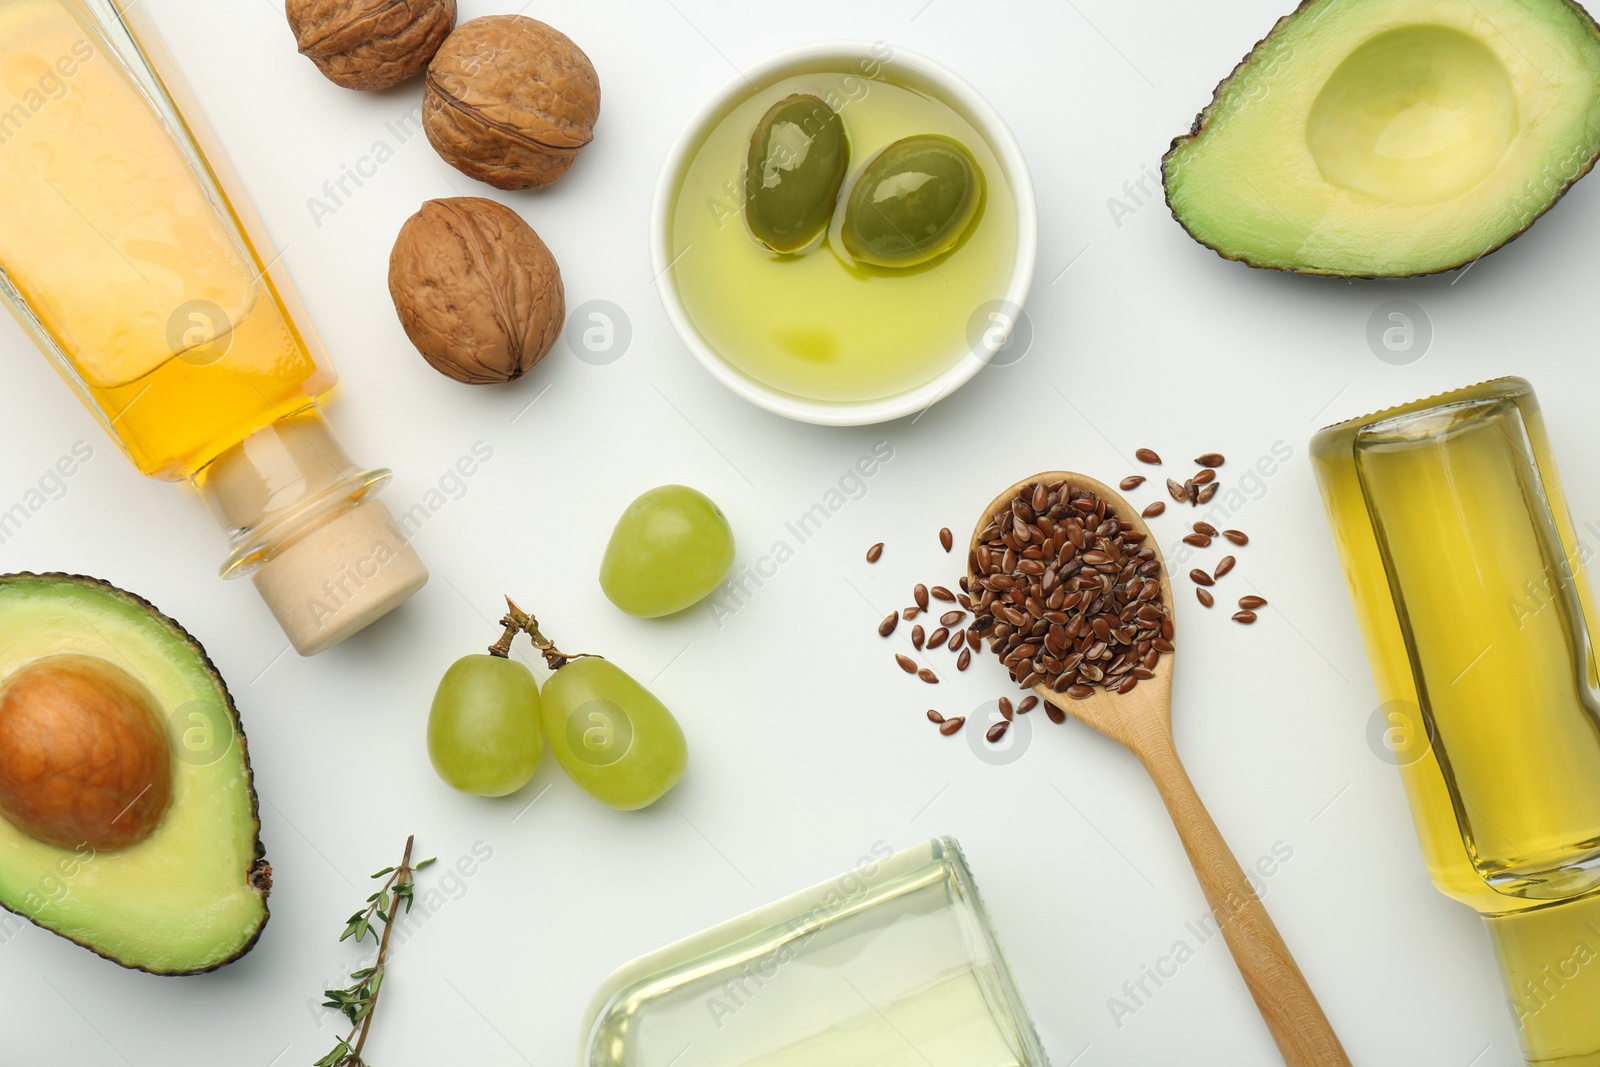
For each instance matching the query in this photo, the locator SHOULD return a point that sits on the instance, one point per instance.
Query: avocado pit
(84, 758)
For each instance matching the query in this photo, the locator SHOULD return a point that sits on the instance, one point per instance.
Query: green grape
(670, 548)
(611, 734)
(483, 732)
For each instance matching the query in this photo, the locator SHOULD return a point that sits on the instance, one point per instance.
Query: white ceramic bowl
(904, 68)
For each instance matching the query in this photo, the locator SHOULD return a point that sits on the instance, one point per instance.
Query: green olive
(798, 157)
(912, 202)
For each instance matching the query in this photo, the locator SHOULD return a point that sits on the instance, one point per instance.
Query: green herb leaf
(357, 1002)
(337, 1057)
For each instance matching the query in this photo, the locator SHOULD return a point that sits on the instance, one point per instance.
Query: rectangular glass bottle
(128, 255)
(1468, 580)
(894, 964)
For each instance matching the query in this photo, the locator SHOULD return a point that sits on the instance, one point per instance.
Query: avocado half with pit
(128, 819)
(1390, 138)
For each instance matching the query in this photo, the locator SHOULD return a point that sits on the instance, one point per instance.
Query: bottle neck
(326, 557)
(272, 487)
(1551, 959)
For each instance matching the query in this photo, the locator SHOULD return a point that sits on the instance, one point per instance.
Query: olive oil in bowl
(817, 325)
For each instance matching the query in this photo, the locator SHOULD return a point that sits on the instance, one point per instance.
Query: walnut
(510, 101)
(370, 44)
(477, 292)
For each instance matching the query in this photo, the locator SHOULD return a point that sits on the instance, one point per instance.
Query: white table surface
(808, 746)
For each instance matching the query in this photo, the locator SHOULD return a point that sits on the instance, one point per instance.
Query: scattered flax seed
(1200, 577)
(1132, 481)
(1236, 536)
(875, 553)
(928, 676)
(1154, 508)
(1203, 527)
(1205, 477)
(1204, 493)
(1246, 617)
(947, 539)
(937, 638)
(918, 637)
(950, 726)
(1005, 708)
(1198, 540)
(1027, 705)
(890, 621)
(907, 664)
(1251, 603)
(920, 595)
(934, 716)
(1205, 598)
(1057, 716)
(964, 660)
(1177, 491)
(1147, 455)
(957, 639)
(1224, 565)
(997, 731)
(939, 592)
(910, 613)
(1210, 459)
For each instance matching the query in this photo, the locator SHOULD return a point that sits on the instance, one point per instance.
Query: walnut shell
(510, 101)
(370, 44)
(477, 292)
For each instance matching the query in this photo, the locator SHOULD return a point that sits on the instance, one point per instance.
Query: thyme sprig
(357, 1000)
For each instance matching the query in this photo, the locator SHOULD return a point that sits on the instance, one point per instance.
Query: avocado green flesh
(1388, 138)
(182, 900)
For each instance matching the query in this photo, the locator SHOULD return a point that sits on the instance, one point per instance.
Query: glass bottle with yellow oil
(128, 255)
(1468, 579)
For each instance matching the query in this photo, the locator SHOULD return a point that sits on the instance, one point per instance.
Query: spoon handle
(1304, 1036)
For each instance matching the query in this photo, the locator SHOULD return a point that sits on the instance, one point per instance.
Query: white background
(808, 745)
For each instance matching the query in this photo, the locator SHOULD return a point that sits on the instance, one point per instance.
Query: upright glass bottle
(1468, 580)
(129, 256)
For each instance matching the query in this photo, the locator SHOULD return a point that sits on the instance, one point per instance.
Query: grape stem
(518, 621)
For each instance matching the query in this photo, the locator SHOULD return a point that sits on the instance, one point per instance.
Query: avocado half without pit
(128, 819)
(1389, 138)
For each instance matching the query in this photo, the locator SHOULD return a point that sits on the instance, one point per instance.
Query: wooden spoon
(1142, 721)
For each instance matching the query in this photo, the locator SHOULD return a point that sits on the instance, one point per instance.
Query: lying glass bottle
(893, 964)
(1468, 580)
(130, 257)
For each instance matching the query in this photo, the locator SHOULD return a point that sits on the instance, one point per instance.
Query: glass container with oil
(1468, 580)
(893, 964)
(128, 255)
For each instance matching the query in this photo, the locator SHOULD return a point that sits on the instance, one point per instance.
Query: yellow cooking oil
(815, 324)
(1468, 578)
(117, 241)
(894, 964)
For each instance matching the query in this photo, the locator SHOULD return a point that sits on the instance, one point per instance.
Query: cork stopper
(326, 556)
(339, 577)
